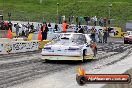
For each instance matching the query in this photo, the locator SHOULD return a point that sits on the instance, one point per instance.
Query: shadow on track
(66, 62)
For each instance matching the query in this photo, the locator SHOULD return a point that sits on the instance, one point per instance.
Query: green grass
(32, 10)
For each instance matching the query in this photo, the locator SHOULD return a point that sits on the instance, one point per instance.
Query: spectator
(93, 34)
(96, 35)
(109, 31)
(49, 25)
(23, 31)
(101, 22)
(81, 30)
(63, 18)
(56, 27)
(104, 21)
(28, 26)
(10, 25)
(105, 31)
(95, 20)
(17, 30)
(2, 27)
(65, 26)
(93, 45)
(6, 25)
(26, 31)
(100, 36)
(32, 27)
(71, 19)
(41, 26)
(44, 32)
(77, 20)
(108, 21)
(88, 20)
(80, 20)
(38, 28)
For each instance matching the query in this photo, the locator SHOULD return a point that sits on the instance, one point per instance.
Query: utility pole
(57, 12)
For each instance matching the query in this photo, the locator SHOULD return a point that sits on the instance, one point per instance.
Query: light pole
(57, 8)
(57, 12)
(110, 6)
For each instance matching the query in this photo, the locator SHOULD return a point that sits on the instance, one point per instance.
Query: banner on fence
(18, 46)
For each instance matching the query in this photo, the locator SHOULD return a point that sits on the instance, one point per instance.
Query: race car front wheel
(84, 54)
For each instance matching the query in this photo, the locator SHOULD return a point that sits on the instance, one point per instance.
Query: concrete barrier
(18, 46)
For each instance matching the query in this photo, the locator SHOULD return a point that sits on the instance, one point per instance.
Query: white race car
(69, 46)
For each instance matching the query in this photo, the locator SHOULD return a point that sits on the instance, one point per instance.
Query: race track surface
(23, 67)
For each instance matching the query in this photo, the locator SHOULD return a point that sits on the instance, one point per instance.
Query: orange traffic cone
(40, 35)
(9, 34)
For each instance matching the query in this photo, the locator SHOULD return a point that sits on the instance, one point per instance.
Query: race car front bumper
(74, 58)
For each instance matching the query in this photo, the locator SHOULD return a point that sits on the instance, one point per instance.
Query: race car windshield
(79, 39)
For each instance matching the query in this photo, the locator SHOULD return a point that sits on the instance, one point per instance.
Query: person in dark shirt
(109, 30)
(49, 25)
(105, 31)
(41, 27)
(81, 30)
(17, 29)
(10, 25)
(105, 20)
(56, 27)
(32, 27)
(28, 26)
(2, 27)
(44, 32)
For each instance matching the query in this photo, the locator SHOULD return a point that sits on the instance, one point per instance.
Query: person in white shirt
(95, 20)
